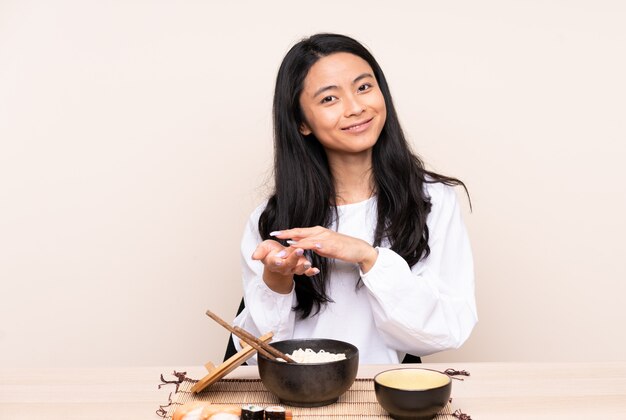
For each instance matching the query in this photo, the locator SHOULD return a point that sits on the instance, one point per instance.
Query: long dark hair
(304, 192)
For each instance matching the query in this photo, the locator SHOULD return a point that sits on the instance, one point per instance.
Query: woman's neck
(353, 178)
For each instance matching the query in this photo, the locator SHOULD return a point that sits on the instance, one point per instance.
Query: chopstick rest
(217, 373)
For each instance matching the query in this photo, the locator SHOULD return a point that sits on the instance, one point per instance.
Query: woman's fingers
(289, 260)
(307, 238)
(265, 248)
(326, 243)
(331, 244)
(297, 233)
(301, 265)
(292, 256)
(281, 260)
(311, 272)
(281, 264)
(272, 254)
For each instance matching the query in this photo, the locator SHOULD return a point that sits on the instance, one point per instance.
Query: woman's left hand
(331, 244)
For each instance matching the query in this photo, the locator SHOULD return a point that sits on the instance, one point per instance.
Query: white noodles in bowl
(310, 356)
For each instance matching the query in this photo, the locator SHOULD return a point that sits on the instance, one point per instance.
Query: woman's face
(342, 104)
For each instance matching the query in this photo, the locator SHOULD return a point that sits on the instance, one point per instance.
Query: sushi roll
(252, 412)
(206, 411)
(276, 412)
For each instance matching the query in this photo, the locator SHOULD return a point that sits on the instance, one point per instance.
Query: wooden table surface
(493, 391)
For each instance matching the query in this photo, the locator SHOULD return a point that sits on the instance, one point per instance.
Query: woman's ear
(304, 129)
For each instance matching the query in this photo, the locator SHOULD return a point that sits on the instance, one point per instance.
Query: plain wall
(135, 139)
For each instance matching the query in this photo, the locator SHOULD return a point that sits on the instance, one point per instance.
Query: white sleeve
(431, 306)
(265, 309)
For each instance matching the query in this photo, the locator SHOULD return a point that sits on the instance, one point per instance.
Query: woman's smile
(359, 127)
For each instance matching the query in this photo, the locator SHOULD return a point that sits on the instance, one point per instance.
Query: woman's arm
(266, 310)
(431, 306)
(420, 310)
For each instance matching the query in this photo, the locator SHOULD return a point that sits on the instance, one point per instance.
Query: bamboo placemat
(359, 402)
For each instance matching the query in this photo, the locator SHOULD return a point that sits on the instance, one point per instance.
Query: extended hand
(281, 263)
(331, 244)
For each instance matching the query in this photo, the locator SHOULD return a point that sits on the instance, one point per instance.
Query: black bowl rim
(349, 345)
(412, 389)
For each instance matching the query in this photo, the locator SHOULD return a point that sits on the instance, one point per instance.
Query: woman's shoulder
(252, 225)
(255, 215)
(443, 200)
(438, 192)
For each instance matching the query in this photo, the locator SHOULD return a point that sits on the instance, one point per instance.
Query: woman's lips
(358, 127)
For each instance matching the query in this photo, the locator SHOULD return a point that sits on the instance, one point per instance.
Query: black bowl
(412, 393)
(310, 384)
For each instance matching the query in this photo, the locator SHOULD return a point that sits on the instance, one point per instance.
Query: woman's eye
(327, 99)
(364, 87)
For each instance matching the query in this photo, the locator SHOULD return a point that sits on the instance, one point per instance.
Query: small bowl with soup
(412, 393)
(318, 379)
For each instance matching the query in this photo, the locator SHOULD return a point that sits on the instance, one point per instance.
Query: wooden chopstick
(273, 350)
(226, 325)
(263, 348)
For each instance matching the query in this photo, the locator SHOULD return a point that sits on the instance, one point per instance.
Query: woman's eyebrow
(362, 76)
(324, 89)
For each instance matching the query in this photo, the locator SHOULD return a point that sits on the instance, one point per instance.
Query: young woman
(358, 242)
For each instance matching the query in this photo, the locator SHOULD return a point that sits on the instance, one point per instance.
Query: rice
(310, 356)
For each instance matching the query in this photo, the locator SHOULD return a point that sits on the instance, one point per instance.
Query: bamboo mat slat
(359, 402)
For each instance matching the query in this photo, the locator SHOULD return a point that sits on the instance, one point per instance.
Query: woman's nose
(353, 105)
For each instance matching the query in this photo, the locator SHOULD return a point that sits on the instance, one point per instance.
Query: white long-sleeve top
(396, 309)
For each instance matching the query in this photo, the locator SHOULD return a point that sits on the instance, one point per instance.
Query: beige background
(135, 138)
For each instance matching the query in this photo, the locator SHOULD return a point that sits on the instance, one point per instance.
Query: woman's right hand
(281, 263)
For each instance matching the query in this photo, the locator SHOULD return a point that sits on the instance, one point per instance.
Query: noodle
(310, 356)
